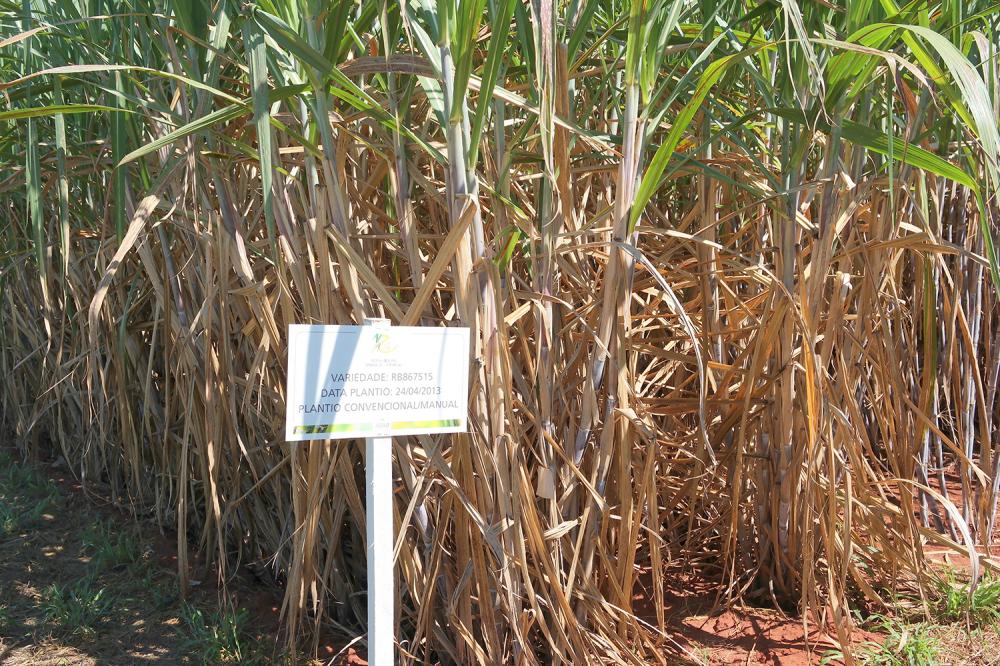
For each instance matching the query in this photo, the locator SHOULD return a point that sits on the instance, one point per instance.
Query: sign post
(379, 530)
(376, 381)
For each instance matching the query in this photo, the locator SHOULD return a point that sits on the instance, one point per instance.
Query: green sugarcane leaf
(344, 88)
(84, 69)
(55, 109)
(500, 22)
(879, 142)
(63, 185)
(192, 15)
(253, 38)
(651, 179)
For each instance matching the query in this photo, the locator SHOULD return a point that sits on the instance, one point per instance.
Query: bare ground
(82, 584)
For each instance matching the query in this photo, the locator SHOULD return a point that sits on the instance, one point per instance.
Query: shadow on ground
(80, 585)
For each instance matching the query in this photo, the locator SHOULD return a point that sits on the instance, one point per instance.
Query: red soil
(737, 634)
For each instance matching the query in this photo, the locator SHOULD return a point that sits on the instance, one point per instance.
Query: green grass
(22, 478)
(75, 609)
(15, 516)
(979, 608)
(904, 644)
(218, 637)
(8, 518)
(25, 496)
(164, 594)
(107, 581)
(913, 643)
(110, 547)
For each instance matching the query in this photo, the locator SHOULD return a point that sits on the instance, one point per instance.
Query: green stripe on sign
(330, 428)
(441, 423)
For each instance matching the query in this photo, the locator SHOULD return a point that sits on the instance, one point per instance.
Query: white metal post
(380, 532)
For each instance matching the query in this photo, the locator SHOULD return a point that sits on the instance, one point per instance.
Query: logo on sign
(383, 343)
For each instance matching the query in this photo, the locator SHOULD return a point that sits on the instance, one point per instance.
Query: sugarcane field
(499, 332)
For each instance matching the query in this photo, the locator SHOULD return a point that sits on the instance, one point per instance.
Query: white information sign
(375, 381)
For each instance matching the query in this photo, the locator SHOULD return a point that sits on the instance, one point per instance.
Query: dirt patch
(713, 633)
(90, 587)
(77, 589)
(753, 636)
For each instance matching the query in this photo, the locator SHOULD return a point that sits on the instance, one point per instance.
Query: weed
(217, 637)
(5, 620)
(8, 518)
(978, 607)
(75, 609)
(904, 645)
(25, 479)
(25, 496)
(18, 512)
(40, 507)
(703, 655)
(164, 595)
(110, 548)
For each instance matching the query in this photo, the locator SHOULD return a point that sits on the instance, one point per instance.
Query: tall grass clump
(729, 268)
